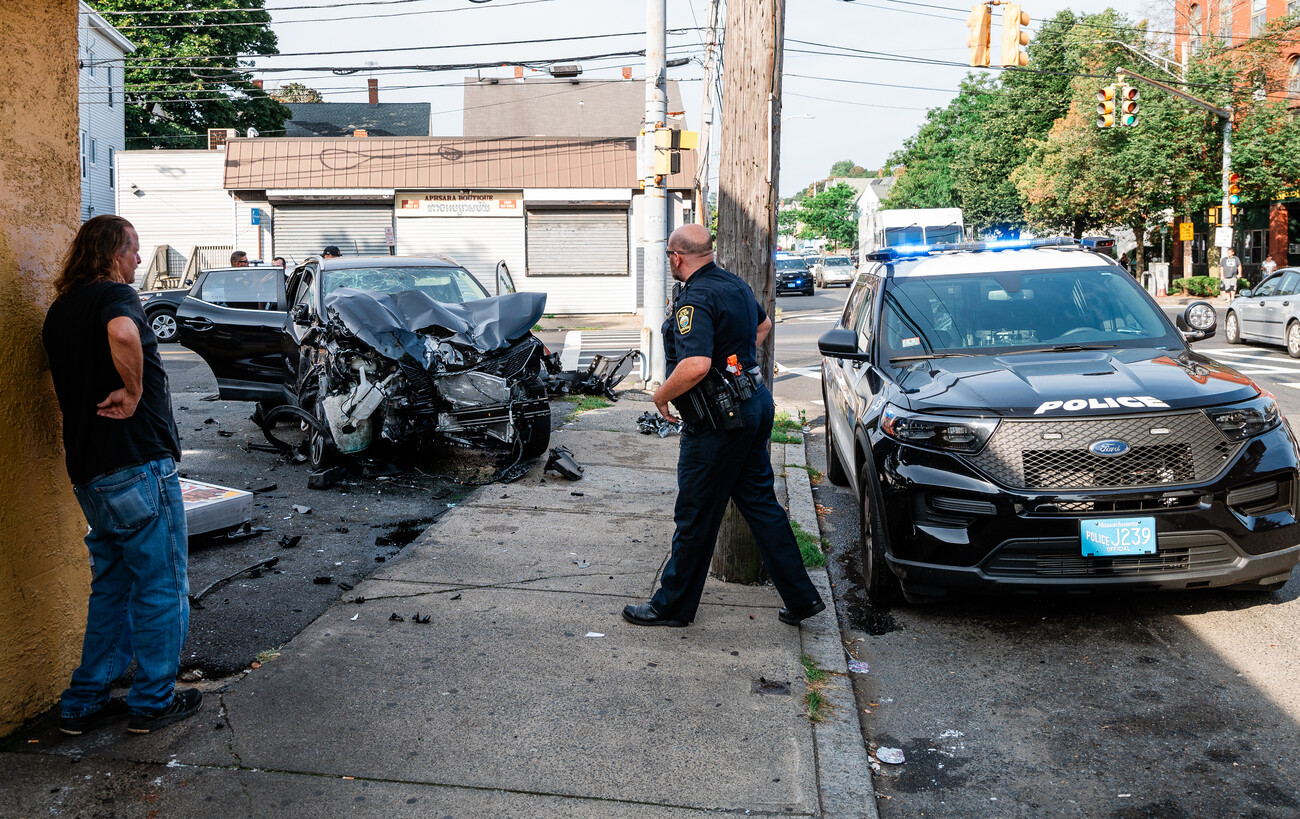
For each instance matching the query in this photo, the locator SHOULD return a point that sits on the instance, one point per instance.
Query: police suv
(1022, 416)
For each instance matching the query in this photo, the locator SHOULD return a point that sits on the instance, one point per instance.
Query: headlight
(1247, 420)
(1201, 316)
(937, 431)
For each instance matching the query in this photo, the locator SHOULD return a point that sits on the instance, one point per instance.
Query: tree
(830, 215)
(187, 73)
(847, 168)
(296, 92)
(787, 221)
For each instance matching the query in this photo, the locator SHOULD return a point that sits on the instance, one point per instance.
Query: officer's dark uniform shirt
(715, 315)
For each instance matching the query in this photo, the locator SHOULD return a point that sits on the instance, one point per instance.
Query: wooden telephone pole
(747, 203)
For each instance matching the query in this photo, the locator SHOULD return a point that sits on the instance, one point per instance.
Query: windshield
(940, 235)
(1007, 312)
(836, 261)
(912, 235)
(449, 285)
(790, 264)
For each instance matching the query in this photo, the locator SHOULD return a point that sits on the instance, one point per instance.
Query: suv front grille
(1053, 454)
(1061, 558)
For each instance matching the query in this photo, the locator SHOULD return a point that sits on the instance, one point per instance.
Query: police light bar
(1098, 242)
(914, 251)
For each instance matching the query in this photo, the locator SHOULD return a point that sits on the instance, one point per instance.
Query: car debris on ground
(652, 423)
(564, 464)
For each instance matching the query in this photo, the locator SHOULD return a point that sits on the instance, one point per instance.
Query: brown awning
(415, 163)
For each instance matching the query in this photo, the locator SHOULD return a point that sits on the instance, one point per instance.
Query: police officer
(716, 316)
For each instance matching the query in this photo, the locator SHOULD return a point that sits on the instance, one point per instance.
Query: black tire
(163, 323)
(880, 582)
(1232, 328)
(536, 435)
(321, 452)
(835, 472)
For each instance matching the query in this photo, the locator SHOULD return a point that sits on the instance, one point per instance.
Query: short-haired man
(715, 317)
(279, 262)
(239, 259)
(1231, 270)
(331, 252)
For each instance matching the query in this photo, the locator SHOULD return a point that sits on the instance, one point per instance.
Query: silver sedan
(834, 270)
(1269, 313)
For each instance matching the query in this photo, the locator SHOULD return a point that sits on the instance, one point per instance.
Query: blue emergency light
(887, 254)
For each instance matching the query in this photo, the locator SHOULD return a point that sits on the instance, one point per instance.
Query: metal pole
(1227, 172)
(706, 113)
(655, 201)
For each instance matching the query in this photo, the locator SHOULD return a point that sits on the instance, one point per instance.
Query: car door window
(1268, 287)
(1290, 283)
(864, 323)
(248, 288)
(307, 292)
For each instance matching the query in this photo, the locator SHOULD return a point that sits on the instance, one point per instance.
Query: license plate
(793, 284)
(1111, 537)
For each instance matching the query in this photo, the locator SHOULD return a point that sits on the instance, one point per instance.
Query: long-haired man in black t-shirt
(121, 447)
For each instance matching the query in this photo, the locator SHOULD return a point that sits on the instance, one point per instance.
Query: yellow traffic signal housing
(1213, 216)
(673, 139)
(1106, 106)
(980, 24)
(667, 162)
(1013, 37)
(1128, 106)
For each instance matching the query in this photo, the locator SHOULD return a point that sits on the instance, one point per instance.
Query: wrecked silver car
(404, 351)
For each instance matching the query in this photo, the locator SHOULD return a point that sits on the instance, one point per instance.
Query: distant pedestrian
(1123, 261)
(331, 252)
(1231, 270)
(121, 446)
(239, 259)
(1268, 266)
(715, 327)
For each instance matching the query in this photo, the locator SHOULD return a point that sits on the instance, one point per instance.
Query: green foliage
(787, 221)
(849, 169)
(1195, 286)
(783, 420)
(585, 402)
(779, 437)
(830, 215)
(811, 547)
(296, 92)
(182, 81)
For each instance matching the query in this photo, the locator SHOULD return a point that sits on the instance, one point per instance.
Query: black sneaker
(184, 703)
(76, 726)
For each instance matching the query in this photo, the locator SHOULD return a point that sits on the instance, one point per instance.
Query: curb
(844, 784)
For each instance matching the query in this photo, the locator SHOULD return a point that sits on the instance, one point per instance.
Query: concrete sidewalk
(525, 694)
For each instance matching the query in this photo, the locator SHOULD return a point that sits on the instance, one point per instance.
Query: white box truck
(909, 226)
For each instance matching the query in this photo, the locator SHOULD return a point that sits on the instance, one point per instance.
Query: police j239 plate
(1116, 537)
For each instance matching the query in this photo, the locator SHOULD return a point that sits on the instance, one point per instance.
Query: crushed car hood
(1041, 383)
(395, 324)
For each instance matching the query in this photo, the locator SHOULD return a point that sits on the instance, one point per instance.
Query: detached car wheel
(1232, 329)
(163, 324)
(881, 583)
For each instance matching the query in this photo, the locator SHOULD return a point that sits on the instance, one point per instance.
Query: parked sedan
(834, 270)
(1269, 313)
(793, 276)
(406, 351)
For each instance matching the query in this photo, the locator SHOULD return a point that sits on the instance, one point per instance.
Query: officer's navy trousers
(715, 466)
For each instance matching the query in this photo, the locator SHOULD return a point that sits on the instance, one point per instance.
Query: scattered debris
(765, 686)
(421, 620)
(563, 463)
(190, 676)
(259, 447)
(244, 531)
(323, 580)
(210, 421)
(396, 618)
(325, 478)
(859, 667)
(578, 494)
(302, 510)
(355, 616)
(263, 564)
(456, 596)
(652, 423)
(593, 634)
(602, 375)
(346, 586)
(290, 541)
(225, 433)
(342, 530)
(262, 490)
(581, 564)
(891, 756)
(380, 470)
(359, 600)
(823, 510)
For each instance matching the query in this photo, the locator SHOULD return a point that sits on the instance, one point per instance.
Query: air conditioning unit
(217, 137)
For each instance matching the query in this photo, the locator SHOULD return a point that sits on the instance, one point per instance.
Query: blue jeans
(714, 467)
(139, 591)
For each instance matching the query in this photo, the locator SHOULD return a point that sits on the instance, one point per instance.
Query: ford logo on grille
(1108, 449)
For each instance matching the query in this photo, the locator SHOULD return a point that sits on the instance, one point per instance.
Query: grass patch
(783, 421)
(779, 437)
(537, 328)
(586, 402)
(268, 655)
(811, 548)
(818, 678)
(813, 474)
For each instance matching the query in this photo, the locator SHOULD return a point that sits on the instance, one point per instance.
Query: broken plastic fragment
(422, 620)
(593, 634)
(859, 667)
(891, 756)
(563, 462)
(396, 618)
(302, 510)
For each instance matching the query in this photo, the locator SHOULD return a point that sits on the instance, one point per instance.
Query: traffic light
(1106, 106)
(1012, 37)
(1213, 216)
(1234, 190)
(980, 24)
(1128, 106)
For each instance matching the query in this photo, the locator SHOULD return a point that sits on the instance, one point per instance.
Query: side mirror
(1245, 294)
(300, 314)
(841, 343)
(1198, 322)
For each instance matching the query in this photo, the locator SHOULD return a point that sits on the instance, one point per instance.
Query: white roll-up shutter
(303, 230)
(577, 242)
(476, 244)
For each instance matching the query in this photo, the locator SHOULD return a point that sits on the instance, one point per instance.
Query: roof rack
(889, 254)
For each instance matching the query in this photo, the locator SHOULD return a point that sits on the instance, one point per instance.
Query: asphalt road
(1173, 705)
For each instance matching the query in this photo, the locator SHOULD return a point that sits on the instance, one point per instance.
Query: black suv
(1022, 416)
(793, 276)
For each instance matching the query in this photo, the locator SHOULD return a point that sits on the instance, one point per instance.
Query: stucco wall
(44, 570)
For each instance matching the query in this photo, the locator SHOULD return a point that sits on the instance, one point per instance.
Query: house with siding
(101, 134)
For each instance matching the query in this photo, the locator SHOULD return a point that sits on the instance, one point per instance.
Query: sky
(834, 107)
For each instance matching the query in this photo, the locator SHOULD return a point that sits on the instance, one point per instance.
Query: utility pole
(654, 241)
(706, 113)
(1224, 114)
(747, 199)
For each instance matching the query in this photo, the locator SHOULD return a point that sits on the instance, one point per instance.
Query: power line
(325, 7)
(322, 19)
